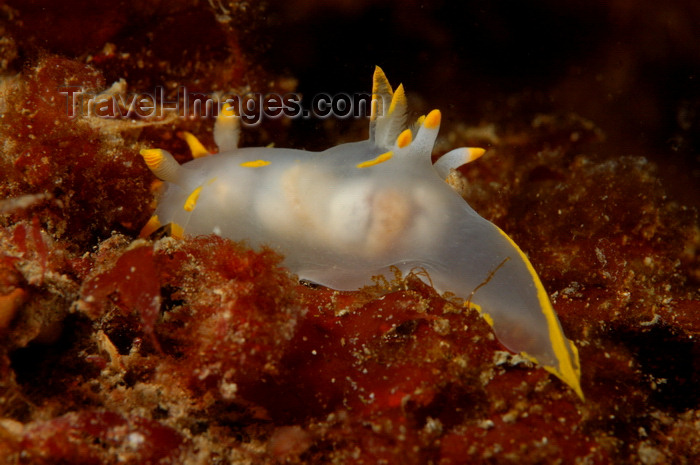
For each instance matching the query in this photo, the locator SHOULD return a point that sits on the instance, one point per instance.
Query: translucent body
(351, 212)
(339, 225)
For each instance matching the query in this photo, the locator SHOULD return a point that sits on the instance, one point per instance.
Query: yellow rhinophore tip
(227, 129)
(153, 157)
(150, 227)
(432, 121)
(404, 138)
(195, 145)
(161, 163)
(227, 111)
(474, 153)
(419, 121)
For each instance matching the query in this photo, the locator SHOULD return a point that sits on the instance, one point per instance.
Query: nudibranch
(356, 210)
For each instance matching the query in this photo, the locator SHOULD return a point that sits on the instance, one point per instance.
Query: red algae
(48, 152)
(227, 313)
(373, 359)
(134, 284)
(36, 276)
(95, 437)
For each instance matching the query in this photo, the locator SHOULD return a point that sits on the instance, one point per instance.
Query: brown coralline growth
(119, 349)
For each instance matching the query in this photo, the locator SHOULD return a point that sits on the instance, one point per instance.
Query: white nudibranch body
(353, 211)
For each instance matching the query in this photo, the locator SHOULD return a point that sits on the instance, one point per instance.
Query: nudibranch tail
(509, 295)
(567, 367)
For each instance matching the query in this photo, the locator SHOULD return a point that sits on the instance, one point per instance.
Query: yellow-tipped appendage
(227, 129)
(404, 139)
(227, 111)
(161, 163)
(150, 227)
(456, 158)
(474, 153)
(153, 158)
(398, 101)
(432, 121)
(196, 147)
(381, 89)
